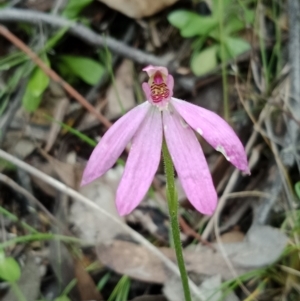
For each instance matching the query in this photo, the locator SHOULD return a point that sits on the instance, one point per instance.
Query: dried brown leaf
(232, 236)
(133, 260)
(262, 246)
(137, 8)
(137, 262)
(205, 261)
(85, 284)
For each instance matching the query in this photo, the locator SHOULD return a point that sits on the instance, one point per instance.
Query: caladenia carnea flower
(145, 126)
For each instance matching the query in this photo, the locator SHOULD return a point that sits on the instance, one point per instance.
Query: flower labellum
(176, 120)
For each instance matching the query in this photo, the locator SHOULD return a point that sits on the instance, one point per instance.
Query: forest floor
(68, 71)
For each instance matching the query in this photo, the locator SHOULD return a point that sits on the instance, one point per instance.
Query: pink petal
(147, 90)
(215, 130)
(153, 69)
(170, 84)
(190, 163)
(113, 143)
(142, 163)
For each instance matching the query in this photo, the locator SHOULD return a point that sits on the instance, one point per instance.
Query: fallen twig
(82, 32)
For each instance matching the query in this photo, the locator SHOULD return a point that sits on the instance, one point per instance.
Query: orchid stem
(172, 198)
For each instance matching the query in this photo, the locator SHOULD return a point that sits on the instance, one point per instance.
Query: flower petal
(113, 143)
(190, 163)
(147, 90)
(142, 163)
(151, 70)
(170, 84)
(215, 130)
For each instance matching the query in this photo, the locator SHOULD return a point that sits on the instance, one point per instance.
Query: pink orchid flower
(145, 125)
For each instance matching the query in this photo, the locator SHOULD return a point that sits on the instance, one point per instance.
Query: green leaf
(103, 281)
(249, 16)
(90, 71)
(191, 24)
(234, 24)
(297, 189)
(200, 26)
(9, 269)
(74, 7)
(179, 18)
(53, 40)
(6, 164)
(205, 61)
(3, 105)
(235, 47)
(36, 86)
(11, 60)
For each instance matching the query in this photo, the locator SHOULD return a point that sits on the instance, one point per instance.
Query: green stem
(18, 293)
(262, 47)
(38, 236)
(14, 218)
(173, 211)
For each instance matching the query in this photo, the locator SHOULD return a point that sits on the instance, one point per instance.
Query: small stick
(52, 74)
(191, 232)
